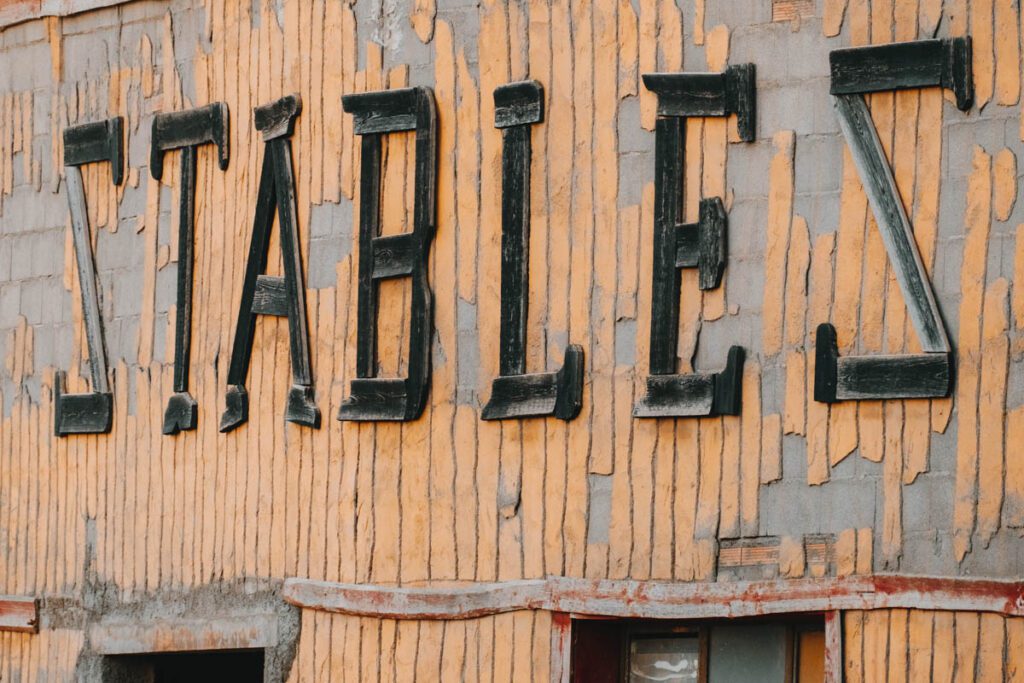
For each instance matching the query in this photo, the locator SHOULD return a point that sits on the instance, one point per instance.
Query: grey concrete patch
(469, 354)
(599, 517)
(625, 343)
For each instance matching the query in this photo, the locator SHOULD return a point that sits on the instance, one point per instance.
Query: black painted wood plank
(181, 413)
(90, 413)
(687, 245)
(702, 245)
(87, 143)
(376, 113)
(669, 151)
(237, 408)
(291, 256)
(82, 241)
(186, 265)
(521, 395)
(189, 128)
(541, 394)
(515, 249)
(373, 399)
(569, 399)
(688, 94)
(925, 375)
(691, 395)
(383, 111)
(826, 360)
(695, 394)
(395, 255)
(709, 94)
(277, 119)
(893, 223)
(271, 296)
(369, 229)
(741, 96)
(421, 321)
(852, 378)
(729, 384)
(518, 104)
(898, 66)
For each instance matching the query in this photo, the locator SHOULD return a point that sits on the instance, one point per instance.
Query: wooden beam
(180, 635)
(660, 600)
(19, 614)
(561, 645)
(834, 647)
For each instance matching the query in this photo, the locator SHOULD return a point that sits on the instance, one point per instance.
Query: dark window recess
(780, 650)
(238, 666)
(380, 257)
(88, 143)
(514, 394)
(271, 295)
(700, 245)
(855, 72)
(186, 130)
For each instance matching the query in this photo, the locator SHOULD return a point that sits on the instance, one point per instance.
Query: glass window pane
(664, 659)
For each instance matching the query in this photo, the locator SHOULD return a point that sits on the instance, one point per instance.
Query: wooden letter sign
(84, 144)
(855, 71)
(700, 245)
(186, 130)
(269, 295)
(516, 394)
(405, 255)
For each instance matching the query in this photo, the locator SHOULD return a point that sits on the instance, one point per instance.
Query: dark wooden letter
(186, 130)
(83, 144)
(855, 71)
(700, 245)
(268, 295)
(516, 394)
(405, 255)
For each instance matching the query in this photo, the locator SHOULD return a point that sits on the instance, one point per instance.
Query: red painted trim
(19, 614)
(659, 599)
(561, 637)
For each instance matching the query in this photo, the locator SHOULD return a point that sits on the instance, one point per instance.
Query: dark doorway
(243, 666)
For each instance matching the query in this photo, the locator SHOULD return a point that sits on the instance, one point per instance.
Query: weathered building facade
(614, 417)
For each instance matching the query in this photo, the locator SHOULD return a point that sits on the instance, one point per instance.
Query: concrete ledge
(660, 599)
(19, 614)
(133, 637)
(17, 11)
